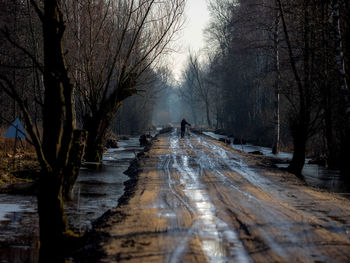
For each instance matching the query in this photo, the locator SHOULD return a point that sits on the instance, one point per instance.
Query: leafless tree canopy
(277, 74)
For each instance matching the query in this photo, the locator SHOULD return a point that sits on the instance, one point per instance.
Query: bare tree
(203, 87)
(195, 88)
(120, 41)
(60, 149)
(188, 94)
(243, 52)
(277, 83)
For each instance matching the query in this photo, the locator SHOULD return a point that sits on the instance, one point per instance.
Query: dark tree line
(66, 67)
(277, 72)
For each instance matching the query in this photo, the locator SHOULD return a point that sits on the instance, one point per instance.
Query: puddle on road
(94, 193)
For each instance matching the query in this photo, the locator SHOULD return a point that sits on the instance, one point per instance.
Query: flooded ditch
(94, 193)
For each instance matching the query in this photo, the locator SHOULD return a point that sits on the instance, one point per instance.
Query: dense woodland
(275, 73)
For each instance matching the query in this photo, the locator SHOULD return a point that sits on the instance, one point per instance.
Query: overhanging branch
(6, 33)
(9, 89)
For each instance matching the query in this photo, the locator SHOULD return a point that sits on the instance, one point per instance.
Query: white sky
(191, 38)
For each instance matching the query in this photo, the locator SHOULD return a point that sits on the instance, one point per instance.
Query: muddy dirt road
(199, 201)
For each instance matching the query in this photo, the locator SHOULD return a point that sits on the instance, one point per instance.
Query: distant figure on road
(183, 127)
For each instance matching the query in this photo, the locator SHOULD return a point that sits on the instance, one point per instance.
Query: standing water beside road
(94, 193)
(97, 191)
(313, 174)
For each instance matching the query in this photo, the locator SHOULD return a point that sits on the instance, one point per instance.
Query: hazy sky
(197, 17)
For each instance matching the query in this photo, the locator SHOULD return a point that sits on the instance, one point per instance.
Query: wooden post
(14, 151)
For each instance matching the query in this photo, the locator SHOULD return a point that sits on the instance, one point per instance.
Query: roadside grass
(22, 166)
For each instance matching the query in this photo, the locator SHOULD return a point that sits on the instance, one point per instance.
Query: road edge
(88, 248)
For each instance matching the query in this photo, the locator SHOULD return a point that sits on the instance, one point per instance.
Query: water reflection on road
(219, 242)
(282, 212)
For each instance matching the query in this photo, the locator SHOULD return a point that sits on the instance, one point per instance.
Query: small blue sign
(16, 130)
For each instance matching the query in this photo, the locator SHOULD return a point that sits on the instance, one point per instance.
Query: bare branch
(37, 10)
(9, 89)
(6, 33)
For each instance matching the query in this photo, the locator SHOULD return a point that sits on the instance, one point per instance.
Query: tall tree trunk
(58, 153)
(95, 141)
(344, 89)
(217, 125)
(54, 230)
(331, 152)
(59, 146)
(276, 138)
(54, 103)
(327, 97)
(97, 127)
(207, 113)
(340, 55)
(52, 220)
(98, 124)
(71, 171)
(194, 115)
(301, 124)
(299, 142)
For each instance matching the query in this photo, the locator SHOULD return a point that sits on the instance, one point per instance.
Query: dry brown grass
(14, 167)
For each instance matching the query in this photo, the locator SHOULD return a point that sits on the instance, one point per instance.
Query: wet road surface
(313, 174)
(200, 201)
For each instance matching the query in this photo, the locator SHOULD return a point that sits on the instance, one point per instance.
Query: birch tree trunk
(276, 139)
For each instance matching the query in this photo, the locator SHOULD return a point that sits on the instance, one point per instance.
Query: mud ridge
(89, 247)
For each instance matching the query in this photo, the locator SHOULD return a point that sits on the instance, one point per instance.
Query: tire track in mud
(219, 242)
(216, 162)
(277, 237)
(273, 190)
(180, 245)
(198, 201)
(165, 166)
